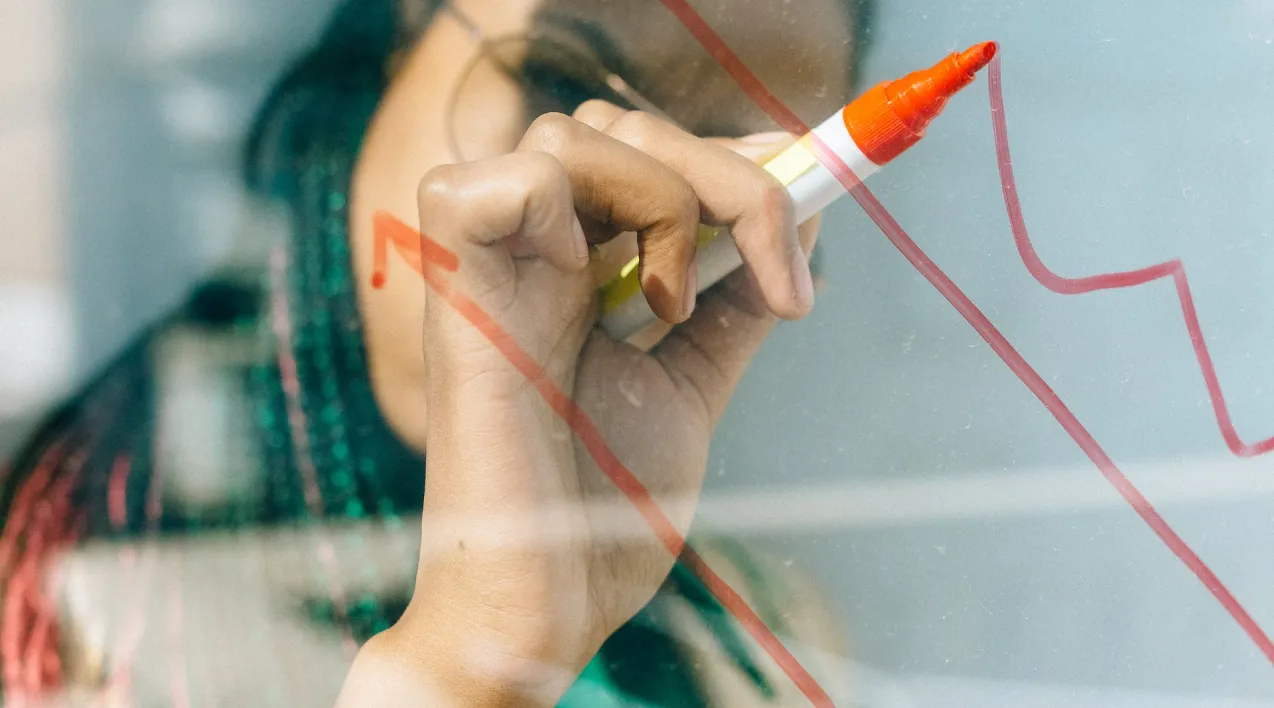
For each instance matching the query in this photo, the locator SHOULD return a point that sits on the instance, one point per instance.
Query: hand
(530, 553)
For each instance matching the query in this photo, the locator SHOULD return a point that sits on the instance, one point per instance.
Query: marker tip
(977, 56)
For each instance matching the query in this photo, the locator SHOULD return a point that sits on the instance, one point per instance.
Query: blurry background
(976, 556)
(121, 128)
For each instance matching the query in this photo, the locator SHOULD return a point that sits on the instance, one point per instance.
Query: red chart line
(430, 257)
(1000, 344)
(432, 261)
(1173, 269)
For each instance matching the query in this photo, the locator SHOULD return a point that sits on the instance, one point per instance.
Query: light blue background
(1141, 132)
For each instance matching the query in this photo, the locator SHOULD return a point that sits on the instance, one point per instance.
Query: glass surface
(885, 460)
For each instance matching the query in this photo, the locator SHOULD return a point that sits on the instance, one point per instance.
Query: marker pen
(872, 130)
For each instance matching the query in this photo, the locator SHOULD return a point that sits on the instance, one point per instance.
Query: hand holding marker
(869, 132)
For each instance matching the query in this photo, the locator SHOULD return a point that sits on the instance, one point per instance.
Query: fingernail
(804, 282)
(764, 138)
(691, 288)
(580, 244)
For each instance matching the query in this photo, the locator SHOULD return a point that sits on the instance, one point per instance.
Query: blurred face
(480, 74)
(454, 99)
(549, 57)
(800, 50)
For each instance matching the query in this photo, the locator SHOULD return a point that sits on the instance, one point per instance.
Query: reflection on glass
(226, 507)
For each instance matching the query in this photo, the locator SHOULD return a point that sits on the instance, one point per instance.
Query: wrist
(386, 675)
(396, 668)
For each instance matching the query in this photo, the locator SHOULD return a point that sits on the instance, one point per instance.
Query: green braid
(301, 152)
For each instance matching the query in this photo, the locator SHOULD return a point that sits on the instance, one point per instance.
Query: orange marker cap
(892, 116)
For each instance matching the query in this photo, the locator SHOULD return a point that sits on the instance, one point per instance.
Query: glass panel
(1017, 454)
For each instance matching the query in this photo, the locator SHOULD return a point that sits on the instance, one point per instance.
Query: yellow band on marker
(793, 162)
(627, 284)
(788, 165)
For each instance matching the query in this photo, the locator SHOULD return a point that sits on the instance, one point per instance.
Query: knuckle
(540, 169)
(776, 204)
(550, 132)
(595, 108)
(436, 188)
(684, 205)
(635, 128)
(542, 175)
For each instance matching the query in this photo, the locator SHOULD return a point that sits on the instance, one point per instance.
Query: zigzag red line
(1110, 281)
(1000, 344)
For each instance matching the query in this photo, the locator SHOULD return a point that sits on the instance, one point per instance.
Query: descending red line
(428, 251)
(734, 66)
(1174, 269)
(431, 259)
(980, 323)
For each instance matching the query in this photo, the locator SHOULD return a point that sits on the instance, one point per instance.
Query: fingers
(640, 175)
(522, 199)
(758, 148)
(711, 351)
(488, 213)
(733, 191)
(597, 114)
(628, 189)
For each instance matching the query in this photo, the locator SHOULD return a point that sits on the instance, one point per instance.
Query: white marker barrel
(813, 188)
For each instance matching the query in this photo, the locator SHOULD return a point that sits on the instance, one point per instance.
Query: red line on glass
(1174, 269)
(989, 333)
(430, 260)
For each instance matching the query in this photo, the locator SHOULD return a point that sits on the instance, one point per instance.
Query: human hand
(530, 552)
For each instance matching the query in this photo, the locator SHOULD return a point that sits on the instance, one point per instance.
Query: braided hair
(326, 452)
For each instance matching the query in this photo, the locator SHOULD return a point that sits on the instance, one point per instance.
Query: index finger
(620, 185)
(736, 192)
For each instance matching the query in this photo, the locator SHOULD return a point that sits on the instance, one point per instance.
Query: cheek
(486, 114)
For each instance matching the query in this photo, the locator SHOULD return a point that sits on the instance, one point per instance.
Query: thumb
(713, 348)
